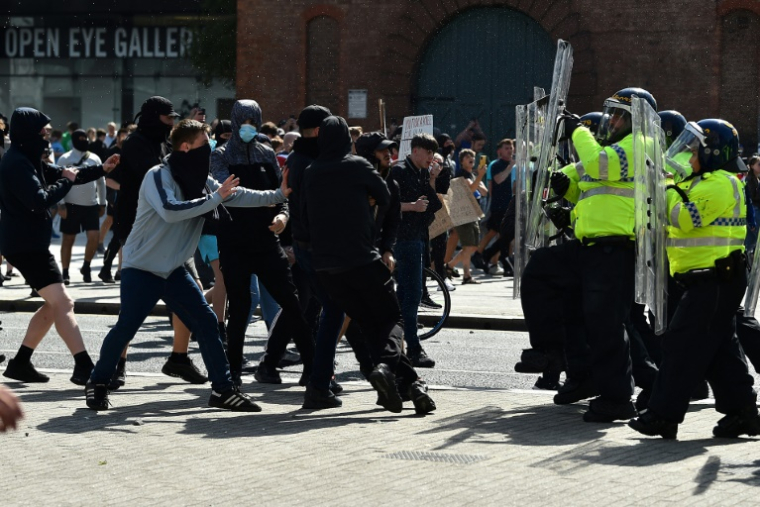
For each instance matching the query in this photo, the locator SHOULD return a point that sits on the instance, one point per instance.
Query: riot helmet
(616, 122)
(714, 142)
(591, 121)
(672, 123)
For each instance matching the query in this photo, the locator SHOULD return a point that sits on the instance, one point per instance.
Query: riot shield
(753, 286)
(530, 127)
(651, 211)
(539, 229)
(521, 196)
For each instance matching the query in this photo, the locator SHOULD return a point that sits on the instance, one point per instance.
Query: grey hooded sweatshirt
(256, 166)
(167, 227)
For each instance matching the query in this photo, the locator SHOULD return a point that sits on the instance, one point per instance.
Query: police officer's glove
(560, 183)
(571, 122)
(559, 215)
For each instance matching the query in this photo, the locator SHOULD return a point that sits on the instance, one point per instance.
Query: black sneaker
(86, 275)
(603, 411)
(423, 403)
(427, 302)
(573, 391)
(248, 366)
(532, 361)
(478, 261)
(232, 399)
(96, 396)
(267, 375)
(66, 279)
(549, 381)
(744, 422)
(290, 358)
(185, 370)
(419, 358)
(642, 400)
(384, 382)
(335, 387)
(81, 374)
(316, 399)
(24, 372)
(105, 276)
(118, 380)
(651, 425)
(117, 276)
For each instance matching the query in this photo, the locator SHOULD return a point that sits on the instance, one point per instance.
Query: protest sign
(414, 125)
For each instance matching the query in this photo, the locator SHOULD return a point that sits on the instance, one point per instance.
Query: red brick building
(478, 58)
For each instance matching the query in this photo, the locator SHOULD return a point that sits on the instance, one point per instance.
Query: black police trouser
(597, 283)
(748, 332)
(701, 344)
(273, 270)
(366, 294)
(649, 340)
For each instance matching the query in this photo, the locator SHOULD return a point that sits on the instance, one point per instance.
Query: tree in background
(212, 51)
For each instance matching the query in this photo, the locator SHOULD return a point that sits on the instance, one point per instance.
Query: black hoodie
(25, 194)
(305, 150)
(335, 202)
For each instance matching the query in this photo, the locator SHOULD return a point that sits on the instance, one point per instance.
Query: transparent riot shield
(521, 195)
(753, 286)
(539, 229)
(651, 211)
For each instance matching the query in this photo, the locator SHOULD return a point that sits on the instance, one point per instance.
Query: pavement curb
(455, 321)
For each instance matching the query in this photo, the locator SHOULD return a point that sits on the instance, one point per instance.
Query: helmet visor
(677, 160)
(615, 123)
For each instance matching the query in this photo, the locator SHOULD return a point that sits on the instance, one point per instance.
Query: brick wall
(680, 50)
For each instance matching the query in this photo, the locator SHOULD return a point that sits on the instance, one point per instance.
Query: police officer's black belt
(609, 240)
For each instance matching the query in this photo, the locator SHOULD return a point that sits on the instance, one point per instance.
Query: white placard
(357, 104)
(414, 125)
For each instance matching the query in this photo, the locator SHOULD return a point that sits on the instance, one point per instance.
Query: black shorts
(38, 268)
(80, 218)
(494, 220)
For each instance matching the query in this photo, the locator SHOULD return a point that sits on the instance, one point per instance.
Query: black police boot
(532, 361)
(384, 382)
(317, 399)
(575, 390)
(418, 393)
(652, 425)
(604, 411)
(642, 400)
(744, 422)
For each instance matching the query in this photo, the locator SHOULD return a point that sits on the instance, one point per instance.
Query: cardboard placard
(442, 222)
(463, 207)
(414, 125)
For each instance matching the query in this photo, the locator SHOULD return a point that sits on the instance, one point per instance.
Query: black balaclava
(148, 119)
(190, 170)
(79, 140)
(25, 134)
(223, 127)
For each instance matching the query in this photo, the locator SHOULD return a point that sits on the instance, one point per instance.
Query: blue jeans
(330, 322)
(269, 307)
(409, 285)
(140, 291)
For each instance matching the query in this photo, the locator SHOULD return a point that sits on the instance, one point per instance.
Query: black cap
(312, 116)
(158, 106)
(223, 127)
(369, 143)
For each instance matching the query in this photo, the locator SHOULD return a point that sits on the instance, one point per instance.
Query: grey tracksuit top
(167, 228)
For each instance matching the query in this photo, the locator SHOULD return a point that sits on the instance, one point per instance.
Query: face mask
(247, 133)
(190, 170)
(80, 143)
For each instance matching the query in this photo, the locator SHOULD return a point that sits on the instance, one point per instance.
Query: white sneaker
(495, 270)
(448, 284)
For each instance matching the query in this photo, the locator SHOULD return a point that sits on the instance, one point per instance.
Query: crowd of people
(313, 219)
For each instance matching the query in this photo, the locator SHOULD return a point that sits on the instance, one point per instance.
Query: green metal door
(481, 65)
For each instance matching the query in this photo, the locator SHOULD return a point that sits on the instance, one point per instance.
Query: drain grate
(459, 459)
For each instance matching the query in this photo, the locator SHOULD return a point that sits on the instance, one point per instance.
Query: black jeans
(438, 253)
(700, 344)
(366, 295)
(273, 270)
(572, 285)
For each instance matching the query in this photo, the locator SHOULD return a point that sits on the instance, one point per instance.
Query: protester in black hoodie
(340, 223)
(249, 245)
(25, 229)
(321, 389)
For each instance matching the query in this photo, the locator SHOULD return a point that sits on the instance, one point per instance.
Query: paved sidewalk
(161, 445)
(486, 306)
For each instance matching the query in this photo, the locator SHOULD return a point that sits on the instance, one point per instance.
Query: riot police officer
(706, 254)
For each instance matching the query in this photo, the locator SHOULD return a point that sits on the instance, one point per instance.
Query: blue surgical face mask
(247, 133)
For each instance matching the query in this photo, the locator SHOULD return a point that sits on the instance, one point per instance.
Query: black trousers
(701, 344)
(438, 253)
(366, 294)
(572, 285)
(748, 332)
(273, 270)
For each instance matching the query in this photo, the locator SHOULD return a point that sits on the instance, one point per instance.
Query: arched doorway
(481, 65)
